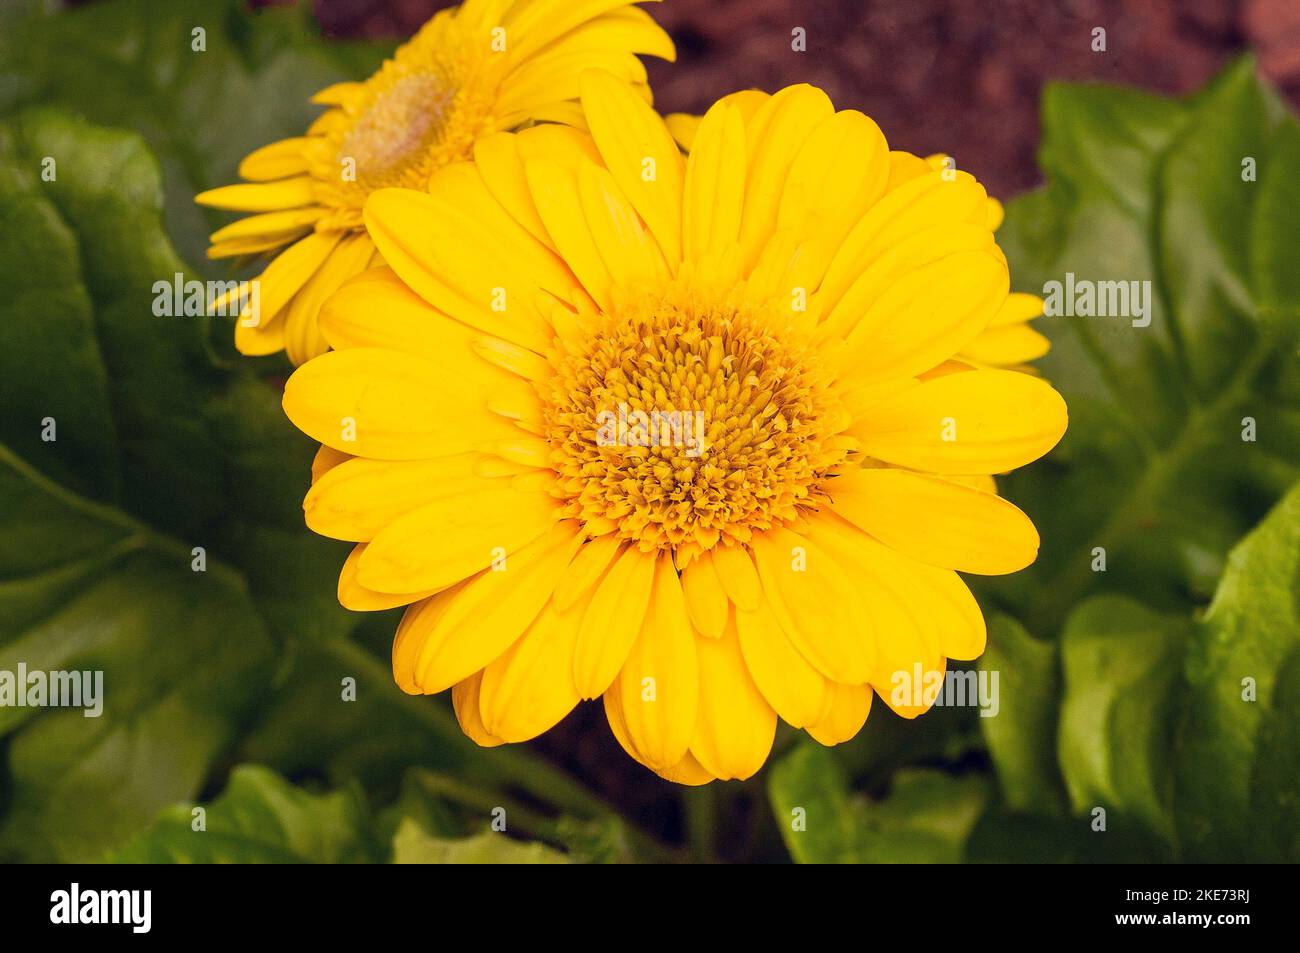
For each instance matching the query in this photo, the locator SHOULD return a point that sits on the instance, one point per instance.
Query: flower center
(423, 110)
(682, 423)
(397, 129)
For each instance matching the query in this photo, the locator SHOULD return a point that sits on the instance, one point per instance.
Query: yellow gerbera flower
(472, 70)
(781, 536)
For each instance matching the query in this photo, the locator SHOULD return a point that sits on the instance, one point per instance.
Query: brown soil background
(958, 76)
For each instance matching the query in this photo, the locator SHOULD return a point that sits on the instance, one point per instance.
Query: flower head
(686, 433)
(485, 66)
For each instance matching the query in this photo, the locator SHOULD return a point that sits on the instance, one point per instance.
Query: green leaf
(925, 818)
(1160, 469)
(1001, 837)
(1021, 736)
(259, 819)
(127, 449)
(1236, 781)
(1121, 667)
(132, 63)
(412, 845)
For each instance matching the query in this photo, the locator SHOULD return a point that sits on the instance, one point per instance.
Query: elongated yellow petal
(465, 699)
(714, 191)
(612, 620)
(268, 225)
(937, 521)
(460, 250)
(659, 683)
(356, 500)
(530, 687)
(738, 576)
(587, 567)
(774, 137)
(985, 421)
(354, 596)
(491, 611)
(845, 716)
(706, 600)
(303, 339)
(389, 406)
(688, 771)
(791, 685)
(454, 536)
(630, 253)
(261, 197)
(640, 154)
(275, 161)
(735, 725)
(816, 603)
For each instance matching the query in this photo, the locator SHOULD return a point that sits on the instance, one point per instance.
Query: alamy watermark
(55, 689)
(951, 689)
(654, 428)
(1085, 298)
(194, 298)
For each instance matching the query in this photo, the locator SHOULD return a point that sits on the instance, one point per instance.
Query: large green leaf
(925, 818)
(1122, 674)
(1154, 469)
(132, 63)
(127, 449)
(1021, 736)
(1237, 756)
(412, 845)
(259, 818)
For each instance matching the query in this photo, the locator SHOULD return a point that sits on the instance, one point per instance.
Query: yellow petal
(688, 771)
(491, 610)
(285, 277)
(356, 597)
(844, 718)
(461, 251)
(787, 680)
(816, 603)
(356, 500)
(735, 725)
(586, 569)
(659, 683)
(714, 193)
(261, 197)
(1005, 346)
(640, 154)
(919, 613)
(839, 172)
(612, 620)
(1018, 308)
(465, 699)
(555, 191)
(270, 224)
(454, 537)
(738, 576)
(937, 521)
(630, 253)
(275, 161)
(774, 138)
(389, 406)
(530, 687)
(302, 335)
(985, 421)
(706, 600)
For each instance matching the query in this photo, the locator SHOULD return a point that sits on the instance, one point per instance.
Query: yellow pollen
(624, 417)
